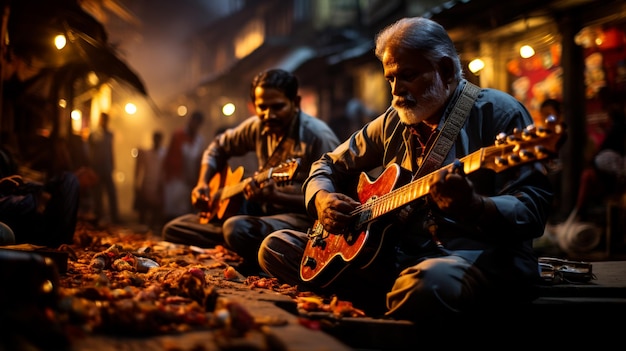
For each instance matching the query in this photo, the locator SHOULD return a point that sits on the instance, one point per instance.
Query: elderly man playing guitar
(448, 225)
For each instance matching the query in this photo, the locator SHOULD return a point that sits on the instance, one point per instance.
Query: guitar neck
(408, 193)
(231, 190)
(418, 188)
(281, 173)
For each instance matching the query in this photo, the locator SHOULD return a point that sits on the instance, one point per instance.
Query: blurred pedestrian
(605, 175)
(181, 166)
(148, 200)
(103, 163)
(550, 108)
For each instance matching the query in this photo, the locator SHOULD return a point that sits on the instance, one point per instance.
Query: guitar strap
(450, 130)
(286, 144)
(277, 156)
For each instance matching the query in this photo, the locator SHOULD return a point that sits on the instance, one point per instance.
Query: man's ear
(446, 67)
(297, 100)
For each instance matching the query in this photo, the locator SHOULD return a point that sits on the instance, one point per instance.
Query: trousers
(434, 287)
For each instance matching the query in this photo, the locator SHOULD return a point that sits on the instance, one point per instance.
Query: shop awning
(296, 57)
(103, 60)
(31, 24)
(437, 7)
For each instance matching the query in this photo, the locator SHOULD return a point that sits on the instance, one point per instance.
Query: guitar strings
(378, 202)
(470, 163)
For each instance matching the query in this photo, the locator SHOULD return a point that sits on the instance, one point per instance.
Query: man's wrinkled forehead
(400, 58)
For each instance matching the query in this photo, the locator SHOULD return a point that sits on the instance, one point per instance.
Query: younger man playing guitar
(279, 134)
(466, 243)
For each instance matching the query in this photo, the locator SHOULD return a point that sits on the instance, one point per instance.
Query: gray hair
(421, 34)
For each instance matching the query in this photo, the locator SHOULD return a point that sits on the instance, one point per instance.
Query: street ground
(172, 308)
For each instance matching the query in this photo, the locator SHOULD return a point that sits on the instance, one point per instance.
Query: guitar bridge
(315, 234)
(316, 231)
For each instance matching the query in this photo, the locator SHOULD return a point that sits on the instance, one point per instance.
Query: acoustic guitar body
(224, 207)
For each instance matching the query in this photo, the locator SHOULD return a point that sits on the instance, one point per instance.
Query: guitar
(225, 185)
(327, 255)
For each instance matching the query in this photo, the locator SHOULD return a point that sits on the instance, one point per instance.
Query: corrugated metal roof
(443, 6)
(464, 18)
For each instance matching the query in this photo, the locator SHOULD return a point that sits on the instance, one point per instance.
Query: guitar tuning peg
(514, 158)
(544, 131)
(500, 138)
(551, 120)
(512, 138)
(541, 150)
(528, 134)
(501, 161)
(526, 154)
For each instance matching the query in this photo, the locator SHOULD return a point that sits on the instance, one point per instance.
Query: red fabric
(173, 162)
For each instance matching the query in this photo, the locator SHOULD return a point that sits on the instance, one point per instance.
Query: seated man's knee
(266, 252)
(230, 229)
(271, 246)
(433, 286)
(439, 277)
(241, 234)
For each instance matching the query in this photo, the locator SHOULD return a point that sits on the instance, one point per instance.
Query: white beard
(424, 108)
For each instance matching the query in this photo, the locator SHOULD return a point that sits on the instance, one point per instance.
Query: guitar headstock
(285, 171)
(533, 143)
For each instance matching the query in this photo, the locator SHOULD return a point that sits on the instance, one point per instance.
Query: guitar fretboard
(231, 190)
(508, 152)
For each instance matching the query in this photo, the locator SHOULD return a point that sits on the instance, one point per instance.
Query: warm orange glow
(526, 51)
(476, 65)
